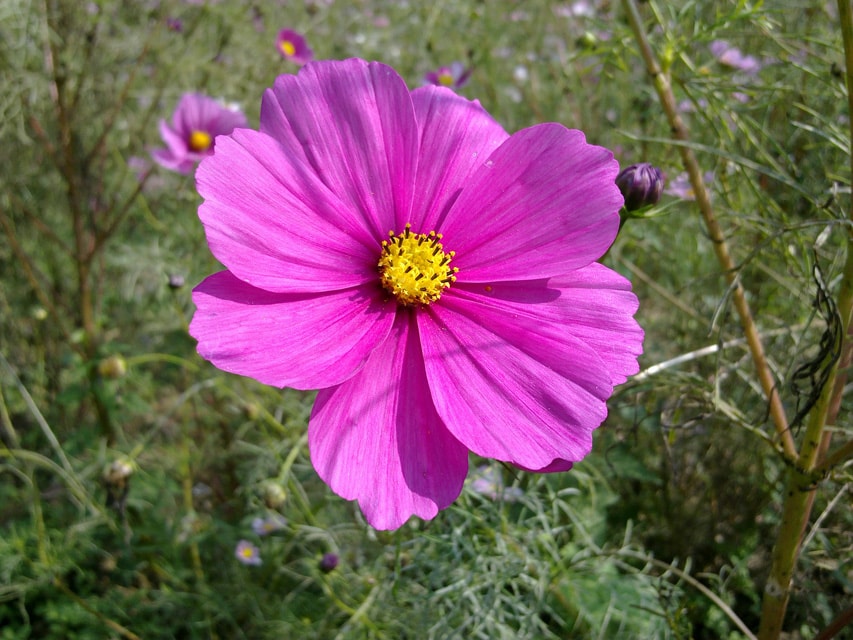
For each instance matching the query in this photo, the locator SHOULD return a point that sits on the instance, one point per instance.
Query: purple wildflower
(196, 122)
(247, 553)
(487, 481)
(680, 185)
(455, 76)
(730, 56)
(270, 524)
(434, 276)
(293, 46)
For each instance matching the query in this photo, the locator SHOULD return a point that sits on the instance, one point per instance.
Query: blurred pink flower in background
(197, 120)
(269, 524)
(732, 57)
(293, 46)
(454, 76)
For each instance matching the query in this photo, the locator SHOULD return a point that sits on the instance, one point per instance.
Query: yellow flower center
(200, 140)
(445, 79)
(415, 267)
(287, 48)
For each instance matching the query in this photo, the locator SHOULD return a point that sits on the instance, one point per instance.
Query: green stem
(799, 495)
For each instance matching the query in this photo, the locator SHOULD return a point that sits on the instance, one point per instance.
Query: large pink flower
(432, 275)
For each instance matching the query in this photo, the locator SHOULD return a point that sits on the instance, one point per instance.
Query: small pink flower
(434, 276)
(293, 46)
(455, 76)
(196, 122)
(247, 553)
(730, 56)
(269, 524)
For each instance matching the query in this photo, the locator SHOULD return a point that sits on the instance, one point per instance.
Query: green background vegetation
(680, 474)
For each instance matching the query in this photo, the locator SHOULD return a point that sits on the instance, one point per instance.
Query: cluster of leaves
(95, 251)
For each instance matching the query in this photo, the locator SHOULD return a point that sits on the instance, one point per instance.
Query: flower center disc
(200, 140)
(288, 48)
(415, 267)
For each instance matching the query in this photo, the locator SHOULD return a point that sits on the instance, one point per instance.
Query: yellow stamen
(445, 80)
(287, 48)
(200, 140)
(415, 267)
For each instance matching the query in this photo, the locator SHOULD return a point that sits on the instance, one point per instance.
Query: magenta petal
(353, 123)
(377, 438)
(557, 466)
(543, 204)
(274, 225)
(459, 132)
(509, 387)
(594, 304)
(303, 341)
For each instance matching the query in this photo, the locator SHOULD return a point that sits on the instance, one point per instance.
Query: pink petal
(543, 204)
(462, 135)
(353, 124)
(594, 304)
(377, 438)
(176, 144)
(274, 225)
(305, 341)
(510, 387)
(557, 466)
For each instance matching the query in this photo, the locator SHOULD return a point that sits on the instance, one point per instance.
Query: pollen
(287, 48)
(200, 140)
(415, 267)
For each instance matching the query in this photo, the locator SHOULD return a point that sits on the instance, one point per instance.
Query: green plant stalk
(753, 339)
(798, 493)
(74, 170)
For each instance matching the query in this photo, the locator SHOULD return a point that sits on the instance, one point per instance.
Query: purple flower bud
(329, 562)
(176, 281)
(641, 185)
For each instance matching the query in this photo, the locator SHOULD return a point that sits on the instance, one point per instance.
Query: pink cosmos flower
(196, 122)
(432, 275)
(293, 46)
(455, 76)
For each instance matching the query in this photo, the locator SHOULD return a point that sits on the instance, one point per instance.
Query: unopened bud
(112, 367)
(274, 494)
(641, 185)
(118, 471)
(329, 562)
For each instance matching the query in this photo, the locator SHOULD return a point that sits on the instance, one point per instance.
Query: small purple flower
(329, 562)
(730, 56)
(269, 524)
(175, 24)
(455, 76)
(197, 121)
(487, 481)
(293, 46)
(680, 186)
(247, 553)
(641, 185)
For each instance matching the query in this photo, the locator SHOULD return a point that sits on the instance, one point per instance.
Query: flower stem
(799, 495)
